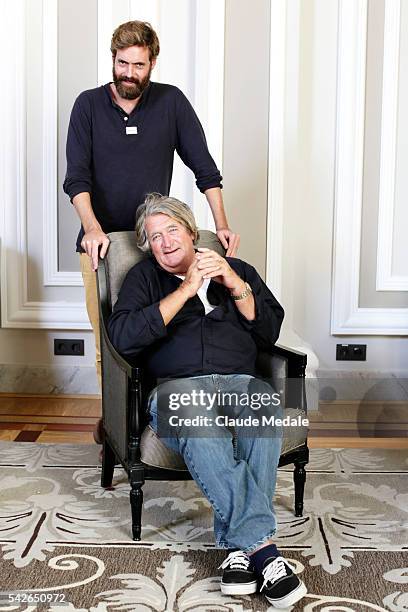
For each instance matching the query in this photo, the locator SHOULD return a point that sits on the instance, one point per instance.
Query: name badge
(131, 130)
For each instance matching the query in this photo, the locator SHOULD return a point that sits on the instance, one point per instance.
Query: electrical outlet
(71, 346)
(351, 352)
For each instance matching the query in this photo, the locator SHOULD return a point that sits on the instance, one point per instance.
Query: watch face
(244, 294)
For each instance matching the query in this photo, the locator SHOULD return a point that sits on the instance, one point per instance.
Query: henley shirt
(193, 343)
(119, 158)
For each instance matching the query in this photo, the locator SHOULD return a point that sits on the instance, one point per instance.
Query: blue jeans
(236, 474)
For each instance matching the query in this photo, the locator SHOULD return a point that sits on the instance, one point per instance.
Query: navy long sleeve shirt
(192, 344)
(119, 169)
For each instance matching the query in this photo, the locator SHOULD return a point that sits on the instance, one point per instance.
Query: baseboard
(48, 380)
(364, 386)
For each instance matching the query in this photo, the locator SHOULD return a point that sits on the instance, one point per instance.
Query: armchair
(128, 439)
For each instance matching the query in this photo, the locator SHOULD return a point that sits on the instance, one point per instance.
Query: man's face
(171, 243)
(131, 71)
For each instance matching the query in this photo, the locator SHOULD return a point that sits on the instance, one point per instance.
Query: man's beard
(130, 92)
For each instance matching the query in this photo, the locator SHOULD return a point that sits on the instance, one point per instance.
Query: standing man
(121, 142)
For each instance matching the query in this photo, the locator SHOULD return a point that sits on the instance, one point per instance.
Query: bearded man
(121, 142)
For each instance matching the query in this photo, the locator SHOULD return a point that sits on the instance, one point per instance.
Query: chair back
(118, 406)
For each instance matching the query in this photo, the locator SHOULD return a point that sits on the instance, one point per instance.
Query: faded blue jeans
(236, 473)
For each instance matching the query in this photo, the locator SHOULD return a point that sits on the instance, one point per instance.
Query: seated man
(200, 320)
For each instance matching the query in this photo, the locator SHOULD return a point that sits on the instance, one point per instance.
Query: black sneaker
(281, 587)
(238, 577)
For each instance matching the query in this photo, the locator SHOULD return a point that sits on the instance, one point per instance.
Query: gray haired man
(199, 320)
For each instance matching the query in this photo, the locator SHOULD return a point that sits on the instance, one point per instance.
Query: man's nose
(129, 71)
(166, 241)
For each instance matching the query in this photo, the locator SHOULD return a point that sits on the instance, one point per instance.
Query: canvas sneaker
(281, 587)
(238, 577)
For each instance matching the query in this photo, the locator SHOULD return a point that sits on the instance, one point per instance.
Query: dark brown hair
(133, 33)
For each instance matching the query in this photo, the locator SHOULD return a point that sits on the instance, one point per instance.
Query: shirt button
(125, 118)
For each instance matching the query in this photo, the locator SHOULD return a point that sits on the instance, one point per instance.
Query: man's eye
(155, 237)
(173, 230)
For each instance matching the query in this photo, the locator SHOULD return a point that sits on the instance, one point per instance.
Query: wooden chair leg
(136, 504)
(299, 477)
(136, 477)
(108, 464)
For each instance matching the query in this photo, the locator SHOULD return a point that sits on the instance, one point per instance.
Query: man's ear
(153, 62)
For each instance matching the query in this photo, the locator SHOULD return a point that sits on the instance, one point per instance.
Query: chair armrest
(104, 313)
(297, 360)
(285, 368)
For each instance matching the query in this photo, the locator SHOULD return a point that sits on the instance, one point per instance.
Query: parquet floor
(71, 419)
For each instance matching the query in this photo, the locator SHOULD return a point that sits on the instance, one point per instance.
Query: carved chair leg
(136, 478)
(136, 504)
(299, 477)
(108, 464)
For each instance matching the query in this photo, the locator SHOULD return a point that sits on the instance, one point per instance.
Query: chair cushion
(123, 254)
(156, 454)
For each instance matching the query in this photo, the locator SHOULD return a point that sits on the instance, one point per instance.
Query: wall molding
(386, 280)
(52, 276)
(276, 145)
(347, 317)
(209, 92)
(16, 310)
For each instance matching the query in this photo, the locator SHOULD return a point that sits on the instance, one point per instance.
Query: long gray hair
(156, 204)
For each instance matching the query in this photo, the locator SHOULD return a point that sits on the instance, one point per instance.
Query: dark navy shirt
(120, 169)
(193, 343)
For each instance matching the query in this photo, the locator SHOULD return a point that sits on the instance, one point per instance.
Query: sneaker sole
(289, 600)
(239, 589)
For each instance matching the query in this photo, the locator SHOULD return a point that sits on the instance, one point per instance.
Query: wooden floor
(71, 419)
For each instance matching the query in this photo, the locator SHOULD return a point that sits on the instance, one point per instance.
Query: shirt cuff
(204, 184)
(155, 320)
(79, 188)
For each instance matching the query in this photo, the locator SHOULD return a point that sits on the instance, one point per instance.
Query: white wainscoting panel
(16, 310)
(52, 276)
(386, 280)
(347, 317)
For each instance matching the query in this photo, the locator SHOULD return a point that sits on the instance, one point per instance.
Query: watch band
(244, 294)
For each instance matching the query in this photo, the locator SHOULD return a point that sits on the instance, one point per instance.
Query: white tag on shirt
(131, 130)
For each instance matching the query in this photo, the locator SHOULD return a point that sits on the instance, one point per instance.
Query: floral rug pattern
(54, 515)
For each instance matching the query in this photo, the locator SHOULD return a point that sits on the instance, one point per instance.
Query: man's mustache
(129, 80)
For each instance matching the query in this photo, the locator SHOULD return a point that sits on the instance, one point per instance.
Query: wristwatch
(244, 294)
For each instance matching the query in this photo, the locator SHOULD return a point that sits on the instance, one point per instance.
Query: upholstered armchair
(127, 437)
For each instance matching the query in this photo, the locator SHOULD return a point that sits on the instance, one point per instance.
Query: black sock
(259, 557)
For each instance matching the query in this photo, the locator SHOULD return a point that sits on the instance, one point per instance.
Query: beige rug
(66, 538)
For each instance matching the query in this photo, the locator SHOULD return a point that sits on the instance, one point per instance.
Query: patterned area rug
(68, 541)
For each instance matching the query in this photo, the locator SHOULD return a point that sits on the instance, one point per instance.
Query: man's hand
(193, 280)
(214, 266)
(91, 242)
(229, 241)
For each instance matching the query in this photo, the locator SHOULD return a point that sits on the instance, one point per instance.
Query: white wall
(62, 49)
(298, 177)
(316, 252)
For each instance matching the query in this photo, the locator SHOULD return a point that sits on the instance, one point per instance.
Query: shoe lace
(273, 571)
(236, 560)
